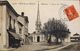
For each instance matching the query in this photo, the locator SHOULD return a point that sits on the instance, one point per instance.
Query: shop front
(14, 40)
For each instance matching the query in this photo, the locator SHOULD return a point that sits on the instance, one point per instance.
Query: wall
(3, 37)
(35, 37)
(1, 26)
(24, 28)
(21, 20)
(5, 12)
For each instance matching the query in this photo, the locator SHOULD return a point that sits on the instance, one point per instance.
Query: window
(10, 22)
(20, 31)
(14, 23)
(10, 19)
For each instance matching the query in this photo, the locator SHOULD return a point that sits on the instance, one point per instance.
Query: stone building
(24, 29)
(38, 36)
(10, 28)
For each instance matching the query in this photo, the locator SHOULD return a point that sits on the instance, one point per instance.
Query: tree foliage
(56, 28)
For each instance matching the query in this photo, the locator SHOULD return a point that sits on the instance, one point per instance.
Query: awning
(15, 35)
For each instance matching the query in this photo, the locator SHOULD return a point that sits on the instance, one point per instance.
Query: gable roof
(76, 34)
(26, 18)
(9, 6)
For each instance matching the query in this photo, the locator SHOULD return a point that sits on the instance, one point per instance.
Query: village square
(53, 35)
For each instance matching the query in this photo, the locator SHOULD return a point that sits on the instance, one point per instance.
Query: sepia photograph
(39, 25)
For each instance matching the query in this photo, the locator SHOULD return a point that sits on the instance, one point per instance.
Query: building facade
(10, 28)
(75, 38)
(38, 37)
(24, 30)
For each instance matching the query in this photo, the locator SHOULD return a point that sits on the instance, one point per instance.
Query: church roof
(38, 22)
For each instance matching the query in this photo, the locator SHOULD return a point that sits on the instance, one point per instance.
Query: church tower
(38, 36)
(38, 22)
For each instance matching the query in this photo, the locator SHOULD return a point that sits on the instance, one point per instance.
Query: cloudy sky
(48, 9)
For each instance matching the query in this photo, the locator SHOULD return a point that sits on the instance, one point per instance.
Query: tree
(56, 28)
(47, 29)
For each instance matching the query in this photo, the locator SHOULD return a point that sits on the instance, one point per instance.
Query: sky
(48, 9)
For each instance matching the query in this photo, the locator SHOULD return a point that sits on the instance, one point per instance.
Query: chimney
(22, 13)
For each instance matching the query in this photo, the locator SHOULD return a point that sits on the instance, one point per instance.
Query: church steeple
(38, 22)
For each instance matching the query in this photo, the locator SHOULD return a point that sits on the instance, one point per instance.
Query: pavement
(43, 46)
(73, 47)
(8, 49)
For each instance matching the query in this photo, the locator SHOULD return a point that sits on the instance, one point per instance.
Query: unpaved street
(37, 47)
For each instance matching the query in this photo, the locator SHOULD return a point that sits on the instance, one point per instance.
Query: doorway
(38, 39)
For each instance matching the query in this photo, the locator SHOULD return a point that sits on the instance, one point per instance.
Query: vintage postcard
(39, 25)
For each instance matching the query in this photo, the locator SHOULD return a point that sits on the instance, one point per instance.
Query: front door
(38, 39)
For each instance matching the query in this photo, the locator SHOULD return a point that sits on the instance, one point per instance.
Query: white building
(38, 36)
(12, 31)
(75, 38)
(8, 26)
